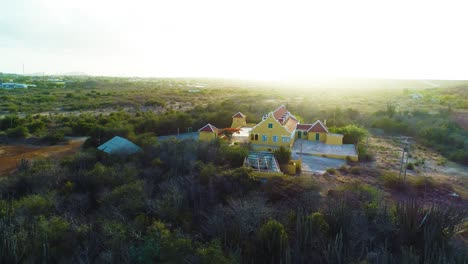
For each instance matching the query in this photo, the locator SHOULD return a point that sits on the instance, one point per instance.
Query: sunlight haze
(236, 39)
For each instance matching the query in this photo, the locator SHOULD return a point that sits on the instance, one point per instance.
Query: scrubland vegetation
(192, 202)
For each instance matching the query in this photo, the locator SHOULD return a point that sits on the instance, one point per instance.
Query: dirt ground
(11, 155)
(461, 118)
(449, 178)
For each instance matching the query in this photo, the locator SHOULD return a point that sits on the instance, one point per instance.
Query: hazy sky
(246, 39)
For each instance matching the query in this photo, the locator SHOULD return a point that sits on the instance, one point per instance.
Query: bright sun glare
(246, 39)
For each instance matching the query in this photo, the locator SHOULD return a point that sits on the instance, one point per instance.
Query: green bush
(423, 183)
(54, 137)
(128, 199)
(393, 181)
(343, 169)
(283, 155)
(331, 171)
(34, 205)
(17, 132)
(352, 134)
(410, 166)
(355, 170)
(274, 242)
(361, 195)
(212, 253)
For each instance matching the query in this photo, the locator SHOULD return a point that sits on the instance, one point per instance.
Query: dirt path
(11, 155)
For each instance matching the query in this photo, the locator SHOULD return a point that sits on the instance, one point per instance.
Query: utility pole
(334, 119)
(301, 151)
(404, 162)
(407, 157)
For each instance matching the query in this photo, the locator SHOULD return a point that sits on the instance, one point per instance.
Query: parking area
(317, 164)
(319, 148)
(313, 152)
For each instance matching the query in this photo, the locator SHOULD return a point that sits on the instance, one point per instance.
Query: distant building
(208, 133)
(120, 146)
(13, 85)
(416, 96)
(54, 80)
(239, 120)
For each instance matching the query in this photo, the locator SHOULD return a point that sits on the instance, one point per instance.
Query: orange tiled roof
(278, 113)
(291, 124)
(304, 126)
(288, 121)
(318, 127)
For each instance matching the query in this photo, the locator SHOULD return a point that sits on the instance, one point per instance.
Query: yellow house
(239, 120)
(281, 128)
(208, 133)
(317, 131)
(276, 129)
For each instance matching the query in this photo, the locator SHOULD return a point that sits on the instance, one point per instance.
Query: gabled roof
(283, 117)
(291, 124)
(318, 126)
(279, 112)
(239, 115)
(304, 126)
(208, 128)
(266, 118)
(119, 145)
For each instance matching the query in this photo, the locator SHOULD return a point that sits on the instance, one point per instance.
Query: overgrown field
(193, 202)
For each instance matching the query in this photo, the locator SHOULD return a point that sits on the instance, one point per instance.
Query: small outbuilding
(120, 146)
(239, 120)
(208, 133)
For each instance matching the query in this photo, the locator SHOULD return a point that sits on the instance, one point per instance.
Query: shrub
(343, 169)
(429, 230)
(318, 222)
(283, 155)
(420, 162)
(207, 171)
(351, 134)
(410, 166)
(274, 241)
(364, 154)
(212, 253)
(361, 195)
(36, 126)
(128, 199)
(393, 181)
(234, 155)
(17, 132)
(355, 170)
(442, 161)
(54, 137)
(422, 183)
(35, 205)
(331, 171)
